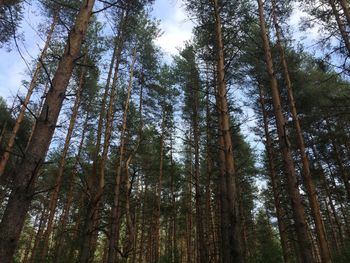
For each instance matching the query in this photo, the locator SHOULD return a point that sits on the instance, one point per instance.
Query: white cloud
(176, 27)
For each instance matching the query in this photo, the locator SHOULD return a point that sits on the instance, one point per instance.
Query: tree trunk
(95, 182)
(309, 184)
(235, 242)
(188, 196)
(24, 103)
(120, 167)
(298, 209)
(67, 205)
(61, 166)
(38, 112)
(26, 172)
(156, 248)
(202, 246)
(273, 176)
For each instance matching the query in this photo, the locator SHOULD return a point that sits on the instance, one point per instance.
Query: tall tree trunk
(297, 207)
(121, 166)
(156, 248)
(26, 172)
(310, 187)
(61, 166)
(31, 87)
(235, 242)
(96, 179)
(273, 176)
(188, 196)
(202, 246)
(68, 203)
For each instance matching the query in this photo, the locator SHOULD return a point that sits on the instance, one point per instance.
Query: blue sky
(175, 26)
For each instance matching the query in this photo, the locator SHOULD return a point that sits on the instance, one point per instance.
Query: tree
(26, 173)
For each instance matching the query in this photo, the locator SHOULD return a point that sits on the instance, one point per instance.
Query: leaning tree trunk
(24, 103)
(61, 166)
(310, 186)
(297, 207)
(26, 172)
(235, 242)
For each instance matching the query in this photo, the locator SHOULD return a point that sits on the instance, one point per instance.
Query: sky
(175, 26)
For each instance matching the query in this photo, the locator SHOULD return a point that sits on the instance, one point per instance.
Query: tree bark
(235, 242)
(309, 184)
(24, 103)
(273, 176)
(26, 173)
(297, 207)
(61, 166)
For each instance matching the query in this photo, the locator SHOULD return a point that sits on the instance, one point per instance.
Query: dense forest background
(118, 153)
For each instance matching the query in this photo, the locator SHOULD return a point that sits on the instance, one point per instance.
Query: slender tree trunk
(114, 213)
(235, 242)
(68, 204)
(24, 103)
(39, 234)
(26, 172)
(298, 209)
(61, 166)
(159, 194)
(273, 176)
(96, 179)
(310, 187)
(188, 197)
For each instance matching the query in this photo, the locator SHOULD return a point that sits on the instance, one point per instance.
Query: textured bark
(41, 104)
(61, 166)
(235, 242)
(32, 85)
(26, 172)
(309, 184)
(121, 166)
(273, 176)
(297, 207)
